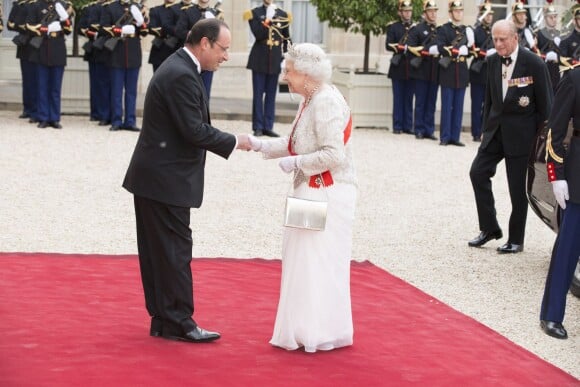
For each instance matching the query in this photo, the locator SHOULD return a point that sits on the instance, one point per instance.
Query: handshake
(248, 142)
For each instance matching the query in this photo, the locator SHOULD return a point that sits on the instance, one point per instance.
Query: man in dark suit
(166, 176)
(563, 173)
(518, 100)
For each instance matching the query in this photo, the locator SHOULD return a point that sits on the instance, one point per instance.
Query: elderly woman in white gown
(314, 310)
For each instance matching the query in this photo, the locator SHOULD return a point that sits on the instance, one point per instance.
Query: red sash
(326, 176)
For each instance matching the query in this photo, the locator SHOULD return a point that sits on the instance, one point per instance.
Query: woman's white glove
(128, 29)
(470, 36)
(551, 56)
(289, 163)
(62, 13)
(54, 27)
(489, 52)
(560, 189)
(255, 143)
(137, 15)
(433, 50)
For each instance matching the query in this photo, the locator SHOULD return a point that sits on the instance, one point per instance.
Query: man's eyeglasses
(224, 49)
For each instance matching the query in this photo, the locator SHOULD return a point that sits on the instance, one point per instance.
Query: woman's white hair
(311, 60)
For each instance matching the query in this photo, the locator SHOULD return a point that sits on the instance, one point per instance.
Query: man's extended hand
(560, 189)
(243, 142)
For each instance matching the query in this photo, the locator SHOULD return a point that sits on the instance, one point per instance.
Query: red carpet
(72, 320)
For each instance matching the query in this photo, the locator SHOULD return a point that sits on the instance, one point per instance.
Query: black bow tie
(506, 60)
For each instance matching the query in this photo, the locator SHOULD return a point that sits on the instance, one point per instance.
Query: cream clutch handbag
(307, 214)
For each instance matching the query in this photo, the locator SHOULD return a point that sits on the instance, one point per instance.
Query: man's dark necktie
(506, 60)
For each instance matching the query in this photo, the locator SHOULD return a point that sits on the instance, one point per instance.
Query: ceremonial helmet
(429, 4)
(455, 4)
(485, 8)
(550, 10)
(576, 10)
(518, 7)
(405, 5)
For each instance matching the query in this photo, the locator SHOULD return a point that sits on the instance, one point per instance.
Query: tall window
(305, 25)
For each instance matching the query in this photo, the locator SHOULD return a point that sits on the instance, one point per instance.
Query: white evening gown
(314, 310)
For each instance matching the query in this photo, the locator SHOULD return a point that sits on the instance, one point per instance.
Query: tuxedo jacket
(525, 108)
(169, 158)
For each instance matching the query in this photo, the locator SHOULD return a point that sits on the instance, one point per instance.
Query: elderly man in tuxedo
(166, 176)
(518, 100)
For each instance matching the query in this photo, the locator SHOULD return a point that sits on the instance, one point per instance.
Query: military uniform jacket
(483, 41)
(169, 158)
(525, 108)
(191, 15)
(265, 55)
(127, 53)
(52, 51)
(562, 164)
(17, 23)
(546, 40)
(398, 33)
(570, 47)
(162, 24)
(84, 25)
(456, 75)
(424, 34)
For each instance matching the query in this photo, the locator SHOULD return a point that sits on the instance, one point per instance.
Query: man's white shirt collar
(194, 59)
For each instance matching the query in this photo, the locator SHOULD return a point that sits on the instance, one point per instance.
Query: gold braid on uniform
(275, 26)
(550, 149)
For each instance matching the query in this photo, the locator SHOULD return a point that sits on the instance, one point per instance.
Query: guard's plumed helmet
(429, 4)
(485, 8)
(455, 4)
(405, 5)
(550, 10)
(518, 7)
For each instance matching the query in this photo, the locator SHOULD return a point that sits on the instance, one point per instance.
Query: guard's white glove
(529, 38)
(433, 50)
(270, 11)
(137, 15)
(490, 51)
(560, 189)
(289, 163)
(209, 15)
(470, 36)
(551, 56)
(128, 29)
(557, 41)
(255, 143)
(62, 13)
(463, 50)
(54, 27)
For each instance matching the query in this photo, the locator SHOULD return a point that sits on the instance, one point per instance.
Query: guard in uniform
(478, 70)
(29, 74)
(399, 70)
(89, 56)
(187, 19)
(570, 46)
(270, 27)
(162, 21)
(124, 23)
(49, 21)
(453, 40)
(527, 38)
(425, 70)
(563, 172)
(549, 44)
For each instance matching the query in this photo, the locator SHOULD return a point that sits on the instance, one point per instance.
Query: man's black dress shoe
(554, 329)
(24, 115)
(33, 120)
(55, 124)
(397, 131)
(132, 128)
(408, 131)
(104, 123)
(197, 335)
(510, 248)
(42, 124)
(431, 137)
(444, 143)
(476, 139)
(270, 133)
(258, 132)
(114, 128)
(419, 136)
(156, 329)
(456, 143)
(484, 237)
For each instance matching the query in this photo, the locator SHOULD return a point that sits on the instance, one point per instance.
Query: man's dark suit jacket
(526, 106)
(169, 158)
